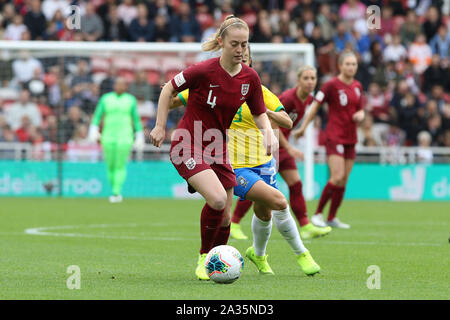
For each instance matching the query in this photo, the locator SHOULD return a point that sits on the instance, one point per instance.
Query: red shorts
(191, 165)
(285, 160)
(344, 150)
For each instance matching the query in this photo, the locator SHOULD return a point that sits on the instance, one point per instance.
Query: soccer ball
(224, 264)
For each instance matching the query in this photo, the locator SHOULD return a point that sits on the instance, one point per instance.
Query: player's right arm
(315, 106)
(321, 97)
(158, 133)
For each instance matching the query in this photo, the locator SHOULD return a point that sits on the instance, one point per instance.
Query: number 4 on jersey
(212, 102)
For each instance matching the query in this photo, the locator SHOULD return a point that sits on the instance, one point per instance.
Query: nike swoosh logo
(213, 86)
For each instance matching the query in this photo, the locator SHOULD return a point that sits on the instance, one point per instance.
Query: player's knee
(338, 179)
(279, 202)
(218, 203)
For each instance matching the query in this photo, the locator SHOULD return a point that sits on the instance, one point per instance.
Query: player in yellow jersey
(256, 177)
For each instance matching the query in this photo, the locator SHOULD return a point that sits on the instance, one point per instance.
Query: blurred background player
(256, 180)
(217, 88)
(119, 112)
(295, 101)
(345, 110)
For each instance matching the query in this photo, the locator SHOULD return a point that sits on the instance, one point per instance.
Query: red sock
(336, 200)
(326, 195)
(209, 224)
(240, 210)
(298, 204)
(222, 236)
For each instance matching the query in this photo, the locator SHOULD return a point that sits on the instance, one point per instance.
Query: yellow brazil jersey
(245, 141)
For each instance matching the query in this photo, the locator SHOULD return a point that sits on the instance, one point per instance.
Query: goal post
(275, 63)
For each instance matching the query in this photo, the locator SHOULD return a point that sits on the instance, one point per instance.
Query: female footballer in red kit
(217, 88)
(345, 110)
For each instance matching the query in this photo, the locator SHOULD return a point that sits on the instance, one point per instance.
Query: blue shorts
(247, 177)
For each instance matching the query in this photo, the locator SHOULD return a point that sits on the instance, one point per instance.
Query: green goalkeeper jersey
(120, 112)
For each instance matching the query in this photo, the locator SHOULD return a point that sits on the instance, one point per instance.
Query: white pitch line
(44, 231)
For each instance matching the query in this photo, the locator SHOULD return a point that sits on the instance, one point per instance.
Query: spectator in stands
(141, 89)
(103, 10)
(308, 22)
(115, 29)
(262, 31)
(91, 24)
(365, 133)
(410, 28)
(79, 148)
(23, 131)
(160, 7)
(7, 135)
(343, 38)
(82, 85)
(387, 21)
(127, 11)
(434, 124)
(395, 136)
(8, 14)
(36, 85)
(434, 74)
(83, 75)
(21, 108)
(376, 103)
(325, 21)
(74, 118)
(35, 20)
(50, 130)
(420, 54)
(395, 51)
(407, 115)
(184, 26)
(432, 22)
(107, 84)
(351, 11)
(23, 68)
(424, 153)
(14, 30)
(49, 7)
(440, 43)
(162, 28)
(431, 108)
(446, 116)
(437, 93)
(141, 28)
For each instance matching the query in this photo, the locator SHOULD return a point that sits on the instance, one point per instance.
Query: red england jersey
(343, 101)
(215, 96)
(294, 107)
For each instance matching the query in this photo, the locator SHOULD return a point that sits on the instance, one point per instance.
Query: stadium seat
(100, 64)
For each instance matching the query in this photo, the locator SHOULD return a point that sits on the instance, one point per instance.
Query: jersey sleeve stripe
(182, 99)
(279, 108)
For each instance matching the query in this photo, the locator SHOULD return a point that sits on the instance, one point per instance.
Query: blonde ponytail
(212, 44)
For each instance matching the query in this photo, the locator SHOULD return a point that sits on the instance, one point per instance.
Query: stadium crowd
(404, 65)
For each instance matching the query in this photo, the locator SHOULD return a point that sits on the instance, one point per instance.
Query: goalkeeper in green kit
(120, 113)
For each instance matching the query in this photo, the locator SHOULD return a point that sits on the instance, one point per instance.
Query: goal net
(50, 90)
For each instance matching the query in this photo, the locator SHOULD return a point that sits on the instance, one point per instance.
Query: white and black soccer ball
(224, 264)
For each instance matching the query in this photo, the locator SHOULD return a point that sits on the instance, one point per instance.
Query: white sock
(287, 227)
(261, 234)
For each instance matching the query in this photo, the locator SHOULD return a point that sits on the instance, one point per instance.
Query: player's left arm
(358, 116)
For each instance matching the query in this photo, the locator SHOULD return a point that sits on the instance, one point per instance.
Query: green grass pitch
(148, 249)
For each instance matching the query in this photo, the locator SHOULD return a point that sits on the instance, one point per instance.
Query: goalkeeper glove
(139, 142)
(94, 133)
